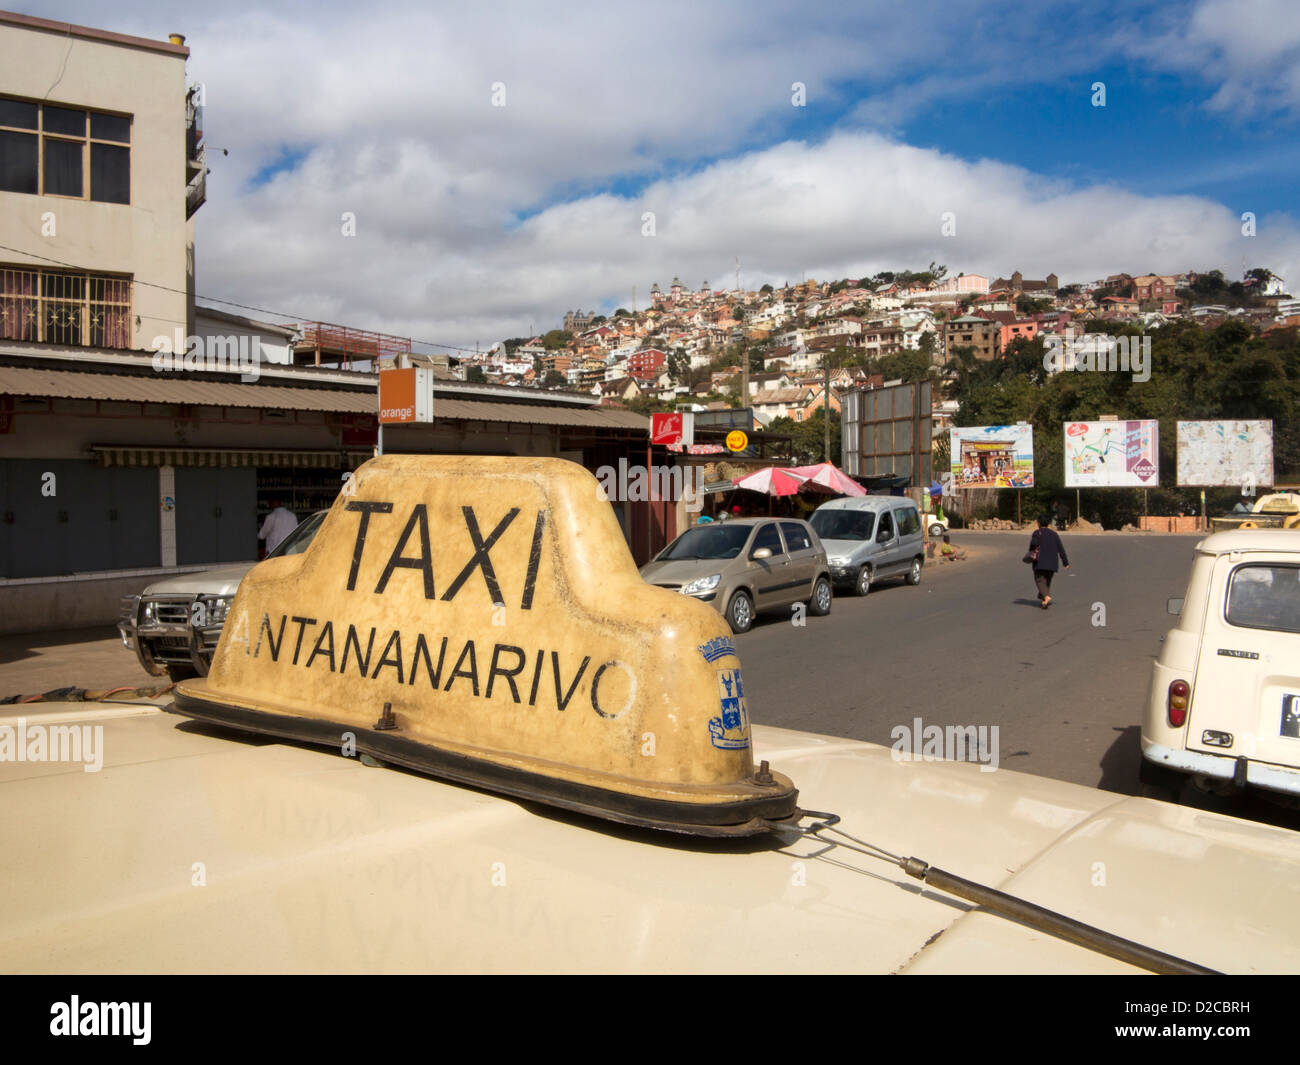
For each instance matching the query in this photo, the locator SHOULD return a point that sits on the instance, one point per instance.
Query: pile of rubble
(995, 524)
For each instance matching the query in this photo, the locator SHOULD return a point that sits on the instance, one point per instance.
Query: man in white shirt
(278, 524)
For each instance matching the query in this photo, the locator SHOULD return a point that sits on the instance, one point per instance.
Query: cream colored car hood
(192, 851)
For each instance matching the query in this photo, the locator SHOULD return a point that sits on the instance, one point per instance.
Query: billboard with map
(1236, 453)
(1112, 454)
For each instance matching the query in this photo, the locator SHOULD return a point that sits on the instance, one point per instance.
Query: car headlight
(150, 610)
(702, 584)
(838, 560)
(218, 607)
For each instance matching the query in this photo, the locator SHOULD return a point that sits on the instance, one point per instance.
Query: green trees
(679, 366)
(1027, 305)
(907, 364)
(1226, 372)
(475, 376)
(809, 435)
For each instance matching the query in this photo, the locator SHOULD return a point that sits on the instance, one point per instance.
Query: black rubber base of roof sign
(749, 817)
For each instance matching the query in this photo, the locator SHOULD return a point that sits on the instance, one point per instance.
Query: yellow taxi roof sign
(482, 620)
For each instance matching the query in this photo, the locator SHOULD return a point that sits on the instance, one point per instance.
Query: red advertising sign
(665, 428)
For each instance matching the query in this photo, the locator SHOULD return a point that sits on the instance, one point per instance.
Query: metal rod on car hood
(1085, 935)
(1009, 906)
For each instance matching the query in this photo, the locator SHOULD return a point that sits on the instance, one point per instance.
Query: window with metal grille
(64, 151)
(64, 307)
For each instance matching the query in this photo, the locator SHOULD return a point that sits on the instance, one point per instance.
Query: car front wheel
(820, 603)
(937, 530)
(863, 584)
(914, 574)
(740, 612)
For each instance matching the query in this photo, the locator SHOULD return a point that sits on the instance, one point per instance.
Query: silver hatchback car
(746, 566)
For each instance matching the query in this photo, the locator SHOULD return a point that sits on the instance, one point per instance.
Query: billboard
(1225, 453)
(993, 456)
(887, 432)
(1112, 454)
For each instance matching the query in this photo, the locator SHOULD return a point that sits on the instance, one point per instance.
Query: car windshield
(843, 524)
(707, 541)
(300, 539)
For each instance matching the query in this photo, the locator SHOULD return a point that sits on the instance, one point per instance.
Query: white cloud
(1250, 49)
(853, 204)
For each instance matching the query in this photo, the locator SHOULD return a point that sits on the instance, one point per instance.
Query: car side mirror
(882, 536)
(1174, 606)
(760, 553)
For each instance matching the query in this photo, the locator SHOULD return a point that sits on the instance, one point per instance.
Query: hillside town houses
(685, 348)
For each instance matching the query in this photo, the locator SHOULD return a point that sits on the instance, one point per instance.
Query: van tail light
(1176, 704)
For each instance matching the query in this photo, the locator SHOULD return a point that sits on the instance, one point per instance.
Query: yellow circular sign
(737, 440)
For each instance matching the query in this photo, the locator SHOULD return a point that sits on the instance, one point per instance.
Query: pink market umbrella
(773, 481)
(827, 475)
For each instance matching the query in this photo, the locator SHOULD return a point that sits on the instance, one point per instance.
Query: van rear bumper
(1224, 767)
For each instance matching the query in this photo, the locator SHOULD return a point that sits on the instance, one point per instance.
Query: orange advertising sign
(397, 396)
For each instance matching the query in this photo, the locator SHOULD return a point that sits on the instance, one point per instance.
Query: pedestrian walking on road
(1045, 548)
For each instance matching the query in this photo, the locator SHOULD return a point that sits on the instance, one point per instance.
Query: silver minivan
(871, 538)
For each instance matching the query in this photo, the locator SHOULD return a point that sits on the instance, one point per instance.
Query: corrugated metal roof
(175, 388)
(596, 417)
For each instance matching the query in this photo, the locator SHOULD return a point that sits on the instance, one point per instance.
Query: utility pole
(744, 375)
(826, 406)
(744, 351)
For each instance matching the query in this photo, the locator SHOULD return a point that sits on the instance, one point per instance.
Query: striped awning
(119, 455)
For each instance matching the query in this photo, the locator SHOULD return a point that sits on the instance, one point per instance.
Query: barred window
(64, 307)
(64, 151)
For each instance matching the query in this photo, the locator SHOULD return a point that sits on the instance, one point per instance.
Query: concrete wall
(149, 238)
(1159, 523)
(272, 349)
(52, 603)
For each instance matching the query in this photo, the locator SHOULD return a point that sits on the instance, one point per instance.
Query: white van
(1224, 705)
(870, 538)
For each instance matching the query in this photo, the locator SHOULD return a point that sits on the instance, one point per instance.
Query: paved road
(970, 646)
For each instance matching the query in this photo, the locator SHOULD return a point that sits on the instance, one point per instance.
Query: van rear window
(1265, 596)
